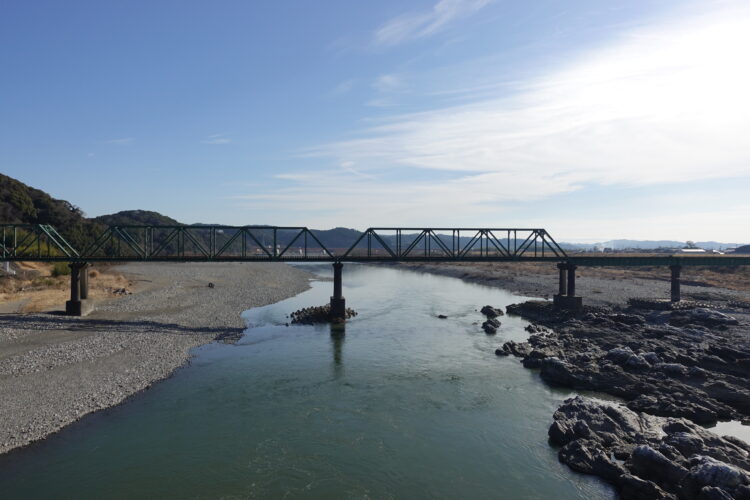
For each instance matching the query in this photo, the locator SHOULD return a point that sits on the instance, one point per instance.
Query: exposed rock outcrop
(648, 457)
(699, 370)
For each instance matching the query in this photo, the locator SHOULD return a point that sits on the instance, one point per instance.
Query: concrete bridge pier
(566, 298)
(675, 288)
(338, 303)
(79, 303)
(563, 269)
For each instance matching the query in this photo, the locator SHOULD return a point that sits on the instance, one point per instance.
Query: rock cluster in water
(318, 314)
(491, 325)
(688, 363)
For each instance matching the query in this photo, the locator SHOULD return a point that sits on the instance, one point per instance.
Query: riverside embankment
(56, 369)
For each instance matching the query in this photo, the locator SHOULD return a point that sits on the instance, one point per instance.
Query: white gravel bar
(55, 369)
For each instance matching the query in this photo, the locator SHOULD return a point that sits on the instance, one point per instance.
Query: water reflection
(337, 342)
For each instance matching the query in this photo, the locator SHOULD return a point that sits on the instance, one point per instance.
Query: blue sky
(595, 120)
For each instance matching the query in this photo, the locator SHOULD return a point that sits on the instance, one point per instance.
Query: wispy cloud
(216, 139)
(344, 87)
(386, 87)
(122, 140)
(414, 25)
(660, 106)
(387, 83)
(663, 105)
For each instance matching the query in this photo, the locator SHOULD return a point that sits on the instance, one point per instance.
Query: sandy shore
(55, 369)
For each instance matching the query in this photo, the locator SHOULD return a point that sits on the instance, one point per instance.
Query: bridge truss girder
(277, 243)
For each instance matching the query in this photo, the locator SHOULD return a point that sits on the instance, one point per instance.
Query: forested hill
(137, 218)
(22, 204)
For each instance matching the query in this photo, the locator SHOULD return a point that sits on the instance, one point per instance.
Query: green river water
(402, 405)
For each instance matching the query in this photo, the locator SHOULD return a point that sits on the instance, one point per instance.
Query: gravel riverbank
(595, 290)
(55, 369)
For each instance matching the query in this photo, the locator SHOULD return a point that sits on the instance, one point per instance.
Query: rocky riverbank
(55, 369)
(691, 364)
(649, 457)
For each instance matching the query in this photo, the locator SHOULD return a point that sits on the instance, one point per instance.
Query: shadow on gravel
(56, 321)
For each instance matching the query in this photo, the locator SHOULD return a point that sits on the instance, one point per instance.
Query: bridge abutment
(566, 298)
(79, 303)
(338, 303)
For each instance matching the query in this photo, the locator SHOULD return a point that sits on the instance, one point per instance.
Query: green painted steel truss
(275, 243)
(199, 243)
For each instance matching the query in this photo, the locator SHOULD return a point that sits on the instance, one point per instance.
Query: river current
(401, 404)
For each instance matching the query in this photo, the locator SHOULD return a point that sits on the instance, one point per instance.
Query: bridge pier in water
(79, 303)
(338, 303)
(566, 296)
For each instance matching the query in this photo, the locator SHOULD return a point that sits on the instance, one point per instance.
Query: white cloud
(216, 139)
(663, 105)
(660, 106)
(414, 25)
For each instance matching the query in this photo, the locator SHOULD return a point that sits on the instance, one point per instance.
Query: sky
(595, 120)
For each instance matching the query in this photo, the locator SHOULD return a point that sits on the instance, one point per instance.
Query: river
(400, 405)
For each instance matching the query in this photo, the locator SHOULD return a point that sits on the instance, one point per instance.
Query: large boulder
(491, 312)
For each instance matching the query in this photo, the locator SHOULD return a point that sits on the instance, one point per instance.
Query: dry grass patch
(41, 291)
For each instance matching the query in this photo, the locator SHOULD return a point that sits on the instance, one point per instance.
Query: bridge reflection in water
(209, 243)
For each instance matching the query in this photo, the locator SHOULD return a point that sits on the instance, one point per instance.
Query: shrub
(60, 269)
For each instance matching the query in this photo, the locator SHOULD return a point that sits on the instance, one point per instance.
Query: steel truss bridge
(275, 243)
(202, 243)
(215, 243)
